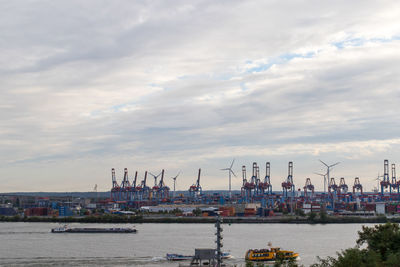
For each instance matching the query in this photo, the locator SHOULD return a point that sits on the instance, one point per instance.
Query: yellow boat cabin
(269, 254)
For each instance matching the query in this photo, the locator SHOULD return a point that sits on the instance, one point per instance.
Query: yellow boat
(271, 254)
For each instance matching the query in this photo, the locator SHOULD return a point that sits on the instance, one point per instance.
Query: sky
(86, 86)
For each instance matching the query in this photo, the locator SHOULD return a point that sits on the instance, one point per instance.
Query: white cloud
(89, 84)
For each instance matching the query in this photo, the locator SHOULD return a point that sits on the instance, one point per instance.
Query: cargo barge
(66, 229)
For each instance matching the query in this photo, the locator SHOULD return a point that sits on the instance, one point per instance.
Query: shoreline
(226, 220)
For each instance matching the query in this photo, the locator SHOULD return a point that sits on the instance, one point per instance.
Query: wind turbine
(174, 178)
(230, 171)
(327, 172)
(155, 177)
(378, 181)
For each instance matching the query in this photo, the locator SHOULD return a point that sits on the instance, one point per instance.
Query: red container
(37, 212)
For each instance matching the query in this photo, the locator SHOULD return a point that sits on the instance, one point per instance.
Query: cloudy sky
(90, 85)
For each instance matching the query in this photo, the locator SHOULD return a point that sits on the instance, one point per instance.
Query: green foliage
(175, 211)
(383, 249)
(383, 239)
(352, 257)
(323, 215)
(197, 212)
(280, 261)
(393, 259)
(300, 212)
(311, 216)
(285, 212)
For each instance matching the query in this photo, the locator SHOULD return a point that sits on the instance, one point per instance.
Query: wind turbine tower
(230, 172)
(174, 178)
(323, 175)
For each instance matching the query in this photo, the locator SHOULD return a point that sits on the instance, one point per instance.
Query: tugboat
(272, 254)
(66, 229)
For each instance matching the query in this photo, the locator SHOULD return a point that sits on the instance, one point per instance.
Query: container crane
(133, 187)
(125, 187)
(244, 182)
(249, 187)
(116, 189)
(343, 188)
(395, 184)
(195, 190)
(385, 183)
(308, 189)
(332, 187)
(258, 187)
(163, 190)
(143, 190)
(265, 186)
(357, 186)
(253, 180)
(267, 179)
(288, 185)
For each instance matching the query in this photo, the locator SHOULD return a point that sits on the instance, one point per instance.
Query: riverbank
(170, 219)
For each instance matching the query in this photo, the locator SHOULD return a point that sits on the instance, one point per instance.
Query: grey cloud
(161, 85)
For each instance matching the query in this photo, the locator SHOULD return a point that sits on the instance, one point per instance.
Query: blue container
(64, 211)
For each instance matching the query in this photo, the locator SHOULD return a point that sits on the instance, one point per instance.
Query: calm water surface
(32, 244)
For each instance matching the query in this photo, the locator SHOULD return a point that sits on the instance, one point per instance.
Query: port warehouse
(256, 197)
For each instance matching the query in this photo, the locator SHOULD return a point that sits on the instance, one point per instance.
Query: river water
(32, 244)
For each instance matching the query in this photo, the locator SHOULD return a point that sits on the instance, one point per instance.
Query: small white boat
(178, 257)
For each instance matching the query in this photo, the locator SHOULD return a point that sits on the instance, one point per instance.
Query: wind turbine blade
(233, 173)
(227, 169)
(334, 164)
(151, 174)
(232, 164)
(176, 176)
(324, 163)
(319, 174)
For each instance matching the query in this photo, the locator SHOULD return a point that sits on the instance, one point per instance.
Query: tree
(197, 212)
(311, 216)
(383, 249)
(383, 239)
(323, 215)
